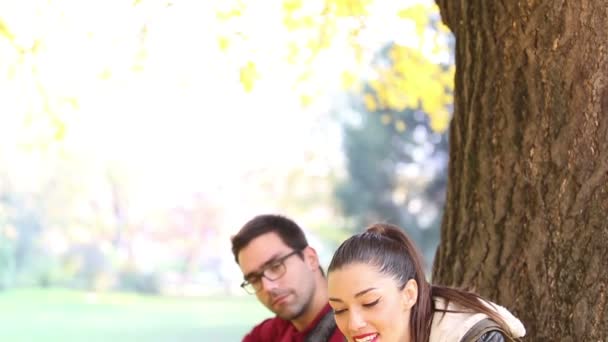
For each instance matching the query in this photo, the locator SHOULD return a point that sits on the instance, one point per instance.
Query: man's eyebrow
(267, 262)
(358, 294)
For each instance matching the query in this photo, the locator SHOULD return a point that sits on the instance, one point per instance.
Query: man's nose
(268, 284)
(355, 321)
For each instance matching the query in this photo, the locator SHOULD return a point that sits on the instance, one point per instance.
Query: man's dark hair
(290, 233)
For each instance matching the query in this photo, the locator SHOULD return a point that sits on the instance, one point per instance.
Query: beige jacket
(452, 327)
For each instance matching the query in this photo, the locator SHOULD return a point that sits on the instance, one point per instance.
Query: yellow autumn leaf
(293, 52)
(351, 8)
(348, 79)
(431, 102)
(248, 76)
(228, 10)
(306, 100)
(370, 102)
(290, 23)
(60, 130)
(419, 14)
(395, 100)
(308, 22)
(290, 6)
(230, 14)
(223, 42)
(440, 121)
(397, 53)
(4, 31)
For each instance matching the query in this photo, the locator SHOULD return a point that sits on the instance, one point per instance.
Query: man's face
(290, 295)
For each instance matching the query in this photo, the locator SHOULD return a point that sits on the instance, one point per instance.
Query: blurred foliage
(396, 165)
(76, 92)
(316, 30)
(395, 177)
(256, 36)
(67, 213)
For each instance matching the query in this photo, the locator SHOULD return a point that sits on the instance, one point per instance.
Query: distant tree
(396, 171)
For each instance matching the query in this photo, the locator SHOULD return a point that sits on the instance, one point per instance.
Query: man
(283, 271)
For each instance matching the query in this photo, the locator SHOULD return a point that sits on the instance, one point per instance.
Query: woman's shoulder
(452, 322)
(492, 336)
(485, 330)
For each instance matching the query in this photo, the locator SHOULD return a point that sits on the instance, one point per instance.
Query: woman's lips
(371, 337)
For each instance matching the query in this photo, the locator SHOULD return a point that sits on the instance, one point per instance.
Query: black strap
(323, 331)
(482, 327)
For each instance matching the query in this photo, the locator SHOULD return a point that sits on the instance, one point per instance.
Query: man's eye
(369, 305)
(274, 267)
(254, 279)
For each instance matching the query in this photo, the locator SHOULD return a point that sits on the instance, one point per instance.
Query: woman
(378, 292)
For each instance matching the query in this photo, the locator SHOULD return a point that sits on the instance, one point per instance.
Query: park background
(137, 136)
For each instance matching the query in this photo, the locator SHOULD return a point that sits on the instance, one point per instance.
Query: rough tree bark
(526, 219)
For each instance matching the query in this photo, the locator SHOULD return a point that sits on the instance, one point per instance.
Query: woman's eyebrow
(361, 293)
(358, 294)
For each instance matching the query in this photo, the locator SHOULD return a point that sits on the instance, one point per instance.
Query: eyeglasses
(272, 271)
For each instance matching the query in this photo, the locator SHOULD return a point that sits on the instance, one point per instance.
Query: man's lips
(280, 299)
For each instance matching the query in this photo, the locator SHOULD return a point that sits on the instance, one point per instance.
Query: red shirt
(279, 330)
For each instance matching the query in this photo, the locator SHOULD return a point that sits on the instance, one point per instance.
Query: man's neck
(317, 304)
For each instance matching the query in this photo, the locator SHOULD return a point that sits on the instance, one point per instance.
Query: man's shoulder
(268, 329)
(337, 336)
(277, 329)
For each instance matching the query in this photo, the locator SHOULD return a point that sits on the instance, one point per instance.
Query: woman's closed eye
(369, 305)
(366, 305)
(339, 311)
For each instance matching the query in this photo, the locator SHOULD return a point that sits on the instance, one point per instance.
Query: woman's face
(369, 306)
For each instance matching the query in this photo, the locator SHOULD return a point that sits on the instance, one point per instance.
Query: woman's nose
(356, 321)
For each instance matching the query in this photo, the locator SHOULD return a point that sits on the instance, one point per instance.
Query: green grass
(68, 316)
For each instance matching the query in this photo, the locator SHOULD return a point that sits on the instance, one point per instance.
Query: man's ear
(409, 294)
(310, 257)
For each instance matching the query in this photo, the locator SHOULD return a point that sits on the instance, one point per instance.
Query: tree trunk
(526, 218)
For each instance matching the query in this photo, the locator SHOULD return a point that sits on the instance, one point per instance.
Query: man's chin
(288, 312)
(288, 315)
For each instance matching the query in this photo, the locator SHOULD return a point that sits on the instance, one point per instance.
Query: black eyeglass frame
(262, 273)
